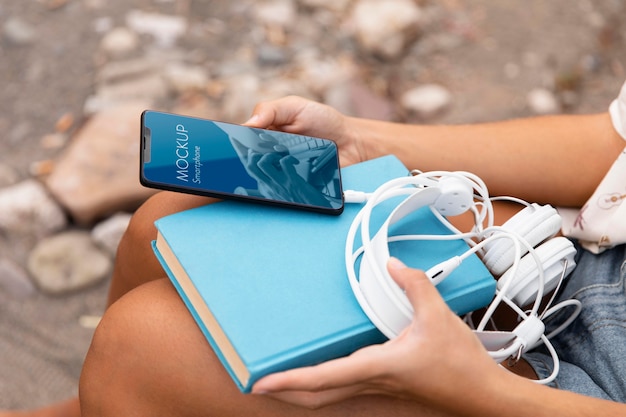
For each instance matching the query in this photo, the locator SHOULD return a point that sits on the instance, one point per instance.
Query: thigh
(593, 347)
(135, 262)
(151, 357)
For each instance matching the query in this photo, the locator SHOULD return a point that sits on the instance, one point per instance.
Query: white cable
(528, 334)
(356, 197)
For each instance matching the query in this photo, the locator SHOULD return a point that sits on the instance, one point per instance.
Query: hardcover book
(268, 285)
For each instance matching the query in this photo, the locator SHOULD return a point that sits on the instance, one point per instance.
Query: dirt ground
(511, 47)
(488, 54)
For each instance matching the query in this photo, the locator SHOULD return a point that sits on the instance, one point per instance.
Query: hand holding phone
(225, 160)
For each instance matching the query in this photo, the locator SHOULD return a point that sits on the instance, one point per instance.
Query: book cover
(268, 285)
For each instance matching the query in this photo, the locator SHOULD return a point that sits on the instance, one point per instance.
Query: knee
(141, 226)
(141, 230)
(117, 368)
(104, 364)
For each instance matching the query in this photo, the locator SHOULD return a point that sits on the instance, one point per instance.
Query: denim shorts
(592, 350)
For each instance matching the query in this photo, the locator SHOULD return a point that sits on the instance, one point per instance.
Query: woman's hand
(436, 361)
(305, 117)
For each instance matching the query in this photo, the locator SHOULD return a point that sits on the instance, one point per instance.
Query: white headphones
(529, 261)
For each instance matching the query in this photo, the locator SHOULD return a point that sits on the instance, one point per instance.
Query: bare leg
(67, 408)
(148, 357)
(135, 264)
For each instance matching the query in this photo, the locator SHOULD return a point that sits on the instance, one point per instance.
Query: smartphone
(225, 160)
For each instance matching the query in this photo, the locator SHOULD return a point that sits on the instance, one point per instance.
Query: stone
(19, 32)
(108, 233)
(126, 69)
(8, 176)
(128, 80)
(271, 56)
(542, 101)
(356, 99)
(64, 123)
(148, 88)
(333, 5)
(42, 168)
(386, 28)
(183, 78)
(119, 42)
(98, 174)
(165, 29)
(67, 262)
(321, 75)
(54, 141)
(276, 12)
(239, 102)
(15, 280)
(27, 208)
(426, 100)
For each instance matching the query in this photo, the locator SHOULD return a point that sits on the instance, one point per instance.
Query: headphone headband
(523, 280)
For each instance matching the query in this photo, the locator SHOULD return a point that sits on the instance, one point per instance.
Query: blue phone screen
(227, 159)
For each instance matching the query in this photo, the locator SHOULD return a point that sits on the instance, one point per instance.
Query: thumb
(276, 113)
(418, 288)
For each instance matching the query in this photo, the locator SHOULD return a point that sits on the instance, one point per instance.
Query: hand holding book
(376, 369)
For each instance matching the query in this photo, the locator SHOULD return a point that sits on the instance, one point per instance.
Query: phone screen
(218, 159)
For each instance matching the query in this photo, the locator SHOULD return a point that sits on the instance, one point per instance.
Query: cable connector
(351, 196)
(441, 271)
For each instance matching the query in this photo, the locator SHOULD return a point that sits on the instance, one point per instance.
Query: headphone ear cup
(534, 223)
(523, 290)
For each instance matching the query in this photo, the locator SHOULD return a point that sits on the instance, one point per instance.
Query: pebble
(338, 6)
(67, 262)
(19, 32)
(28, 208)
(183, 78)
(149, 88)
(108, 233)
(119, 42)
(165, 29)
(276, 12)
(15, 280)
(98, 175)
(427, 100)
(389, 39)
(8, 175)
(542, 101)
(144, 60)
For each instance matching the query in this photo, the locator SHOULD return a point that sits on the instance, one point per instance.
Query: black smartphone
(225, 160)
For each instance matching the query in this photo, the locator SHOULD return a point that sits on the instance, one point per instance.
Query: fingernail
(252, 120)
(395, 263)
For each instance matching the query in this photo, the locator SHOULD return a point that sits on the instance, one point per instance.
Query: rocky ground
(75, 75)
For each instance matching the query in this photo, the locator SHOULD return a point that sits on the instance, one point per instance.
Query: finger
(418, 288)
(335, 374)
(315, 400)
(276, 113)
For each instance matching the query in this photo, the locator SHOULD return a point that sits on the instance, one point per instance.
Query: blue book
(268, 285)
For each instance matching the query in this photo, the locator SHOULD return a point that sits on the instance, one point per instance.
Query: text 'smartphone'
(225, 160)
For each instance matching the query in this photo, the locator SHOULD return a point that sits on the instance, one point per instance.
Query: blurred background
(75, 75)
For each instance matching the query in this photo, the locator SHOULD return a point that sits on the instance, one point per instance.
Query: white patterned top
(601, 223)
